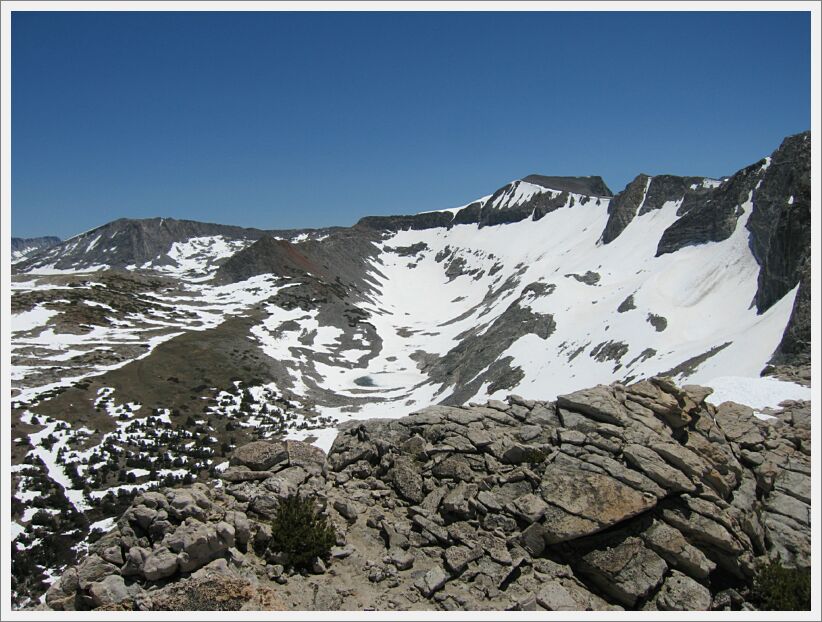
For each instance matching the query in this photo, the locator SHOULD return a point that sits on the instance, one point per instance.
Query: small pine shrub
(299, 533)
(534, 456)
(777, 588)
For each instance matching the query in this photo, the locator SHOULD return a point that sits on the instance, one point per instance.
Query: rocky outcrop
(498, 209)
(780, 223)
(779, 190)
(592, 185)
(645, 194)
(623, 207)
(476, 359)
(616, 497)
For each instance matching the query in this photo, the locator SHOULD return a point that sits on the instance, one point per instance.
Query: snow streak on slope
(197, 259)
(519, 192)
(48, 353)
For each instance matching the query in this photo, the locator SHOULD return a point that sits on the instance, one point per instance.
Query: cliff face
(616, 497)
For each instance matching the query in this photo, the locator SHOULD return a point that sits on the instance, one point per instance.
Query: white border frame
(6, 9)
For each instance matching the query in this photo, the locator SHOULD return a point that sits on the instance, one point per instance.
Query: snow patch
(758, 393)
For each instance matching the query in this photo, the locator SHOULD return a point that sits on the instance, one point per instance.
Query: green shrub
(777, 588)
(299, 533)
(533, 455)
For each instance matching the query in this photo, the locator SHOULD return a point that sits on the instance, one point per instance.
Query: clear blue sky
(286, 120)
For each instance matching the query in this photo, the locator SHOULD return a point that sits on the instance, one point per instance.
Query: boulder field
(641, 497)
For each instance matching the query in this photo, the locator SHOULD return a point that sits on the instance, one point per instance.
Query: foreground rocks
(636, 497)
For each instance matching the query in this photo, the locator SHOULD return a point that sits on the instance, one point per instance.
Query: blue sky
(287, 120)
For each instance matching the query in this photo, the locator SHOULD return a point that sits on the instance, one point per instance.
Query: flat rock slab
(597, 403)
(260, 455)
(628, 572)
(595, 499)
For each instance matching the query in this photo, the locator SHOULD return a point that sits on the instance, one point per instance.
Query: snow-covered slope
(617, 312)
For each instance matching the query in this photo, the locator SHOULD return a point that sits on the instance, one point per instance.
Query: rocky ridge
(643, 496)
(21, 247)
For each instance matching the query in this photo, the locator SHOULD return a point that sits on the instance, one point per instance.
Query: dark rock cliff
(623, 207)
(780, 223)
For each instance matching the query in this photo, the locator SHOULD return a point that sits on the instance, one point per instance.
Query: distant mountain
(22, 247)
(135, 243)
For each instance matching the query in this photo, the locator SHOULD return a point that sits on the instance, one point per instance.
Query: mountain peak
(592, 185)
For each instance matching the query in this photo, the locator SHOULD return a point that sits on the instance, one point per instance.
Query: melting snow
(758, 393)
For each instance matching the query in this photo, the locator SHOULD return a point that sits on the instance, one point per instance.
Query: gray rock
(682, 458)
(260, 455)
(135, 558)
(457, 558)
(432, 581)
(432, 500)
(341, 552)
(243, 474)
(518, 412)
(110, 591)
(597, 403)
(188, 502)
(395, 539)
(671, 545)
(520, 453)
(141, 515)
(652, 465)
(599, 500)
(439, 533)
(348, 509)
(160, 564)
(407, 480)
(266, 504)
(462, 532)
(455, 467)
(533, 539)
(402, 560)
(521, 401)
(529, 507)
(681, 593)
(93, 569)
(739, 425)
(318, 566)
(555, 597)
(779, 503)
(242, 528)
(113, 555)
(198, 543)
(305, 455)
(415, 446)
(457, 501)
(628, 572)
(62, 593)
(629, 477)
(478, 438)
(561, 526)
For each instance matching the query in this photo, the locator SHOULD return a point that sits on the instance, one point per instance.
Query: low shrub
(299, 533)
(777, 588)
